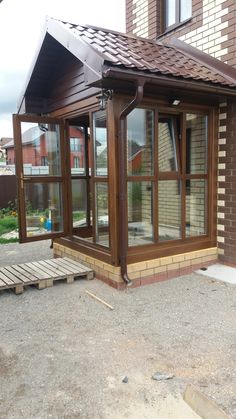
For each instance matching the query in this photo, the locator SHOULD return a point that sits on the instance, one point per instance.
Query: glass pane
(140, 133)
(185, 9)
(169, 210)
(102, 218)
(167, 159)
(77, 151)
(100, 143)
(43, 208)
(79, 202)
(196, 144)
(140, 213)
(41, 149)
(170, 12)
(196, 207)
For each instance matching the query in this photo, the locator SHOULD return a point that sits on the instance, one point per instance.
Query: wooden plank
(84, 270)
(77, 265)
(57, 266)
(74, 263)
(3, 284)
(60, 262)
(13, 278)
(21, 274)
(49, 272)
(69, 268)
(75, 268)
(5, 279)
(33, 270)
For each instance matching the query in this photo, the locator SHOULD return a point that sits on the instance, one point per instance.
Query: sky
(21, 26)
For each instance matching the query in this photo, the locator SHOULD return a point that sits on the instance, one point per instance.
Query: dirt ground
(65, 355)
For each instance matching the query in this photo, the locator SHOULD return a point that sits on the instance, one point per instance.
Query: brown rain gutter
(123, 216)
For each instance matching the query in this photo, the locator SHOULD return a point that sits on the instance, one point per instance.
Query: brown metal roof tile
(149, 56)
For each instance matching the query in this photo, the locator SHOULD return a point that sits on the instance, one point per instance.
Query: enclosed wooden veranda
(122, 137)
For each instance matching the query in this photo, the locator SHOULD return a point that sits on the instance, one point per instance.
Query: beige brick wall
(145, 272)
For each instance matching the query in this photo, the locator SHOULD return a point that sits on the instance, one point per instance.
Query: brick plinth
(146, 272)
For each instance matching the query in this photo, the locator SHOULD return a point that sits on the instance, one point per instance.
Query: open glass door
(41, 171)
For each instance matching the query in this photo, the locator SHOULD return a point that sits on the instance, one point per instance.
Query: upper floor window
(177, 11)
(75, 144)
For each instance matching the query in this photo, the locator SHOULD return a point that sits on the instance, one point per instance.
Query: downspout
(123, 216)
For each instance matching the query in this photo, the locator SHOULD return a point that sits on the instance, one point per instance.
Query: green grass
(78, 215)
(7, 224)
(6, 241)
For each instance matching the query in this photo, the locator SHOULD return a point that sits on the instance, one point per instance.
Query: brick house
(209, 26)
(35, 151)
(153, 199)
(3, 142)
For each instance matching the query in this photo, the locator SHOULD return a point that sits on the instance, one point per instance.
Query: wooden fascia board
(132, 76)
(92, 60)
(21, 102)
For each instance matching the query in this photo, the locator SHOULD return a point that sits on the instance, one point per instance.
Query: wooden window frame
(86, 230)
(160, 249)
(23, 180)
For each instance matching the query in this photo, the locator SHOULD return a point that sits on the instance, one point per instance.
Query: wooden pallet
(42, 273)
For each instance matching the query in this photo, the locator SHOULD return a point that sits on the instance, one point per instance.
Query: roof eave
(225, 70)
(134, 75)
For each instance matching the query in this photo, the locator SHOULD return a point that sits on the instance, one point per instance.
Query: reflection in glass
(185, 9)
(79, 202)
(41, 149)
(102, 217)
(196, 207)
(100, 143)
(170, 12)
(196, 143)
(140, 213)
(77, 150)
(169, 210)
(140, 137)
(167, 159)
(43, 208)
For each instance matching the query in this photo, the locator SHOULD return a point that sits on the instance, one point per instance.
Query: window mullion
(177, 11)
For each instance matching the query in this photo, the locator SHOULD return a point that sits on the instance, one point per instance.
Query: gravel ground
(64, 355)
(14, 253)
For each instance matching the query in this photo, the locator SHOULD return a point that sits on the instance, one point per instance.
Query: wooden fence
(7, 190)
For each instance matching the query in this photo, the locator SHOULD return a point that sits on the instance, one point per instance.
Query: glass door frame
(23, 180)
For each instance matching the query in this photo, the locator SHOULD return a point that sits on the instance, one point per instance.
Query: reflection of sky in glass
(26, 125)
(136, 125)
(101, 139)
